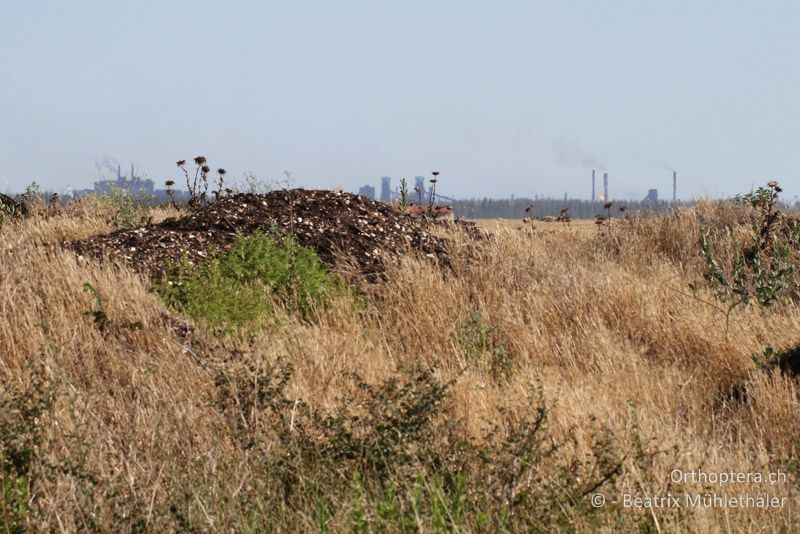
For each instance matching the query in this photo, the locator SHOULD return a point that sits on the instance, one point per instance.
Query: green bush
(21, 412)
(764, 270)
(128, 212)
(240, 287)
(389, 459)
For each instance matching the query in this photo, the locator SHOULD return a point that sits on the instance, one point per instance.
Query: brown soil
(340, 227)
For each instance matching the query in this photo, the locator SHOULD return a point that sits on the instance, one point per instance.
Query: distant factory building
(386, 189)
(652, 196)
(419, 187)
(367, 191)
(133, 185)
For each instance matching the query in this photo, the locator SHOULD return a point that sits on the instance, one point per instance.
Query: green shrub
(240, 287)
(389, 459)
(764, 270)
(128, 212)
(21, 421)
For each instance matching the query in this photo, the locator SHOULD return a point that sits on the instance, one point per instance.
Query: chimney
(674, 186)
(605, 186)
(593, 197)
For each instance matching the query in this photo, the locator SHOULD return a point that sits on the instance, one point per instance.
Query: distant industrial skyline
(387, 187)
(517, 97)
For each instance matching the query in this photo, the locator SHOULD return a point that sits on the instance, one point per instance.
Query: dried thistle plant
(171, 193)
(220, 183)
(434, 180)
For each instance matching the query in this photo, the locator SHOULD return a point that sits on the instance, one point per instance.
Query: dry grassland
(153, 429)
(582, 226)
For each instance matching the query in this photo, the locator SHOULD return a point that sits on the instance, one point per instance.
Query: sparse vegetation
(498, 394)
(22, 412)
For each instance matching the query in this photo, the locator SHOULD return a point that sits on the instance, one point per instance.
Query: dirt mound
(336, 225)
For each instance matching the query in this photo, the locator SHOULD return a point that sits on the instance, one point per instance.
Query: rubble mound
(340, 227)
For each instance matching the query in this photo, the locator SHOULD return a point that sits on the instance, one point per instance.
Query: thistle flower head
(200, 160)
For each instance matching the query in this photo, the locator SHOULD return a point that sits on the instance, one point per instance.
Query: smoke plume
(571, 154)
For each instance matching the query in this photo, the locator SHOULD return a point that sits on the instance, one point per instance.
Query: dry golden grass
(582, 226)
(603, 324)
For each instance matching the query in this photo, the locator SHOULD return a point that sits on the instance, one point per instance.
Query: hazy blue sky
(502, 97)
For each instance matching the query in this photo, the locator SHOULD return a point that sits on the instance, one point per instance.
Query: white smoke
(106, 167)
(660, 165)
(571, 154)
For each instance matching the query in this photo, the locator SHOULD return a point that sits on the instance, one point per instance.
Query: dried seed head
(435, 173)
(181, 162)
(608, 205)
(199, 160)
(221, 171)
(170, 183)
(205, 168)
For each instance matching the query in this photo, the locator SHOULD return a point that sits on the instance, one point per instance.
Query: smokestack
(593, 197)
(605, 186)
(674, 186)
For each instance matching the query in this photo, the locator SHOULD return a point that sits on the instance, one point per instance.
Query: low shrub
(389, 459)
(240, 287)
(128, 212)
(763, 269)
(22, 410)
